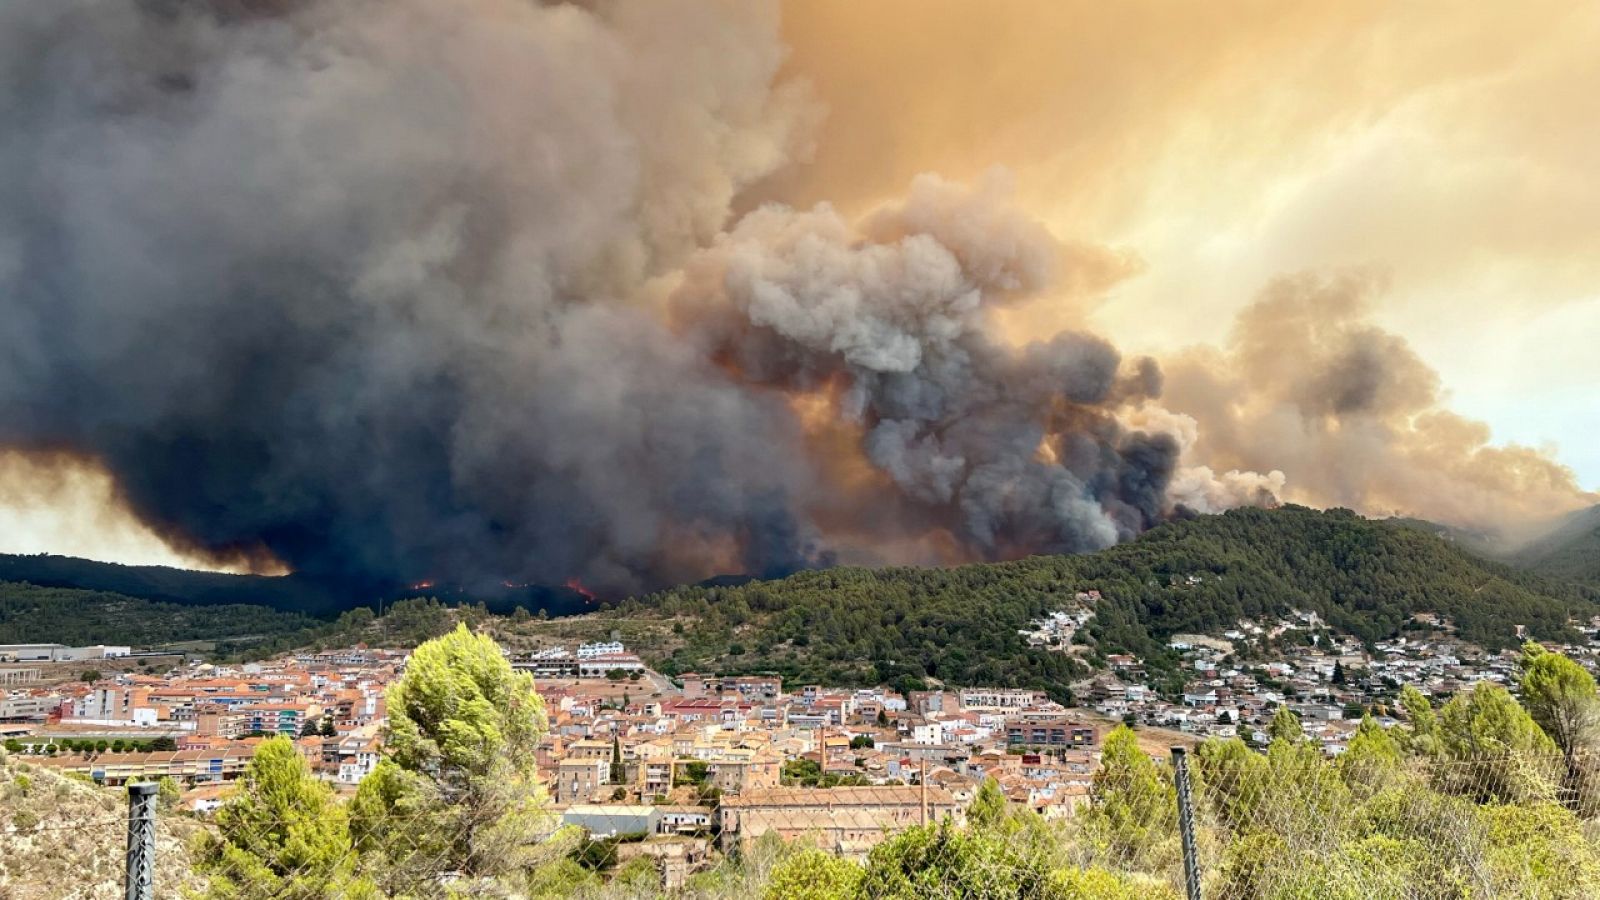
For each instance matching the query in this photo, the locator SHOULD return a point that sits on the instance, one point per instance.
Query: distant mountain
(1571, 550)
(1489, 544)
(289, 593)
(31, 613)
(308, 595)
(1202, 574)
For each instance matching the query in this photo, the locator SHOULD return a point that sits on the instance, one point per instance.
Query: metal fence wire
(1220, 821)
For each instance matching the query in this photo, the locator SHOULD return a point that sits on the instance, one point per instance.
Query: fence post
(1191, 861)
(140, 882)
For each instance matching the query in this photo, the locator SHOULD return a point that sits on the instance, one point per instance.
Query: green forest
(959, 625)
(33, 614)
(1571, 551)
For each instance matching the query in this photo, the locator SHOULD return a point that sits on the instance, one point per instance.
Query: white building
(610, 648)
(1000, 698)
(599, 666)
(59, 652)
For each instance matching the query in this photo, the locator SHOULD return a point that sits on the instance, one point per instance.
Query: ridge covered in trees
(297, 594)
(1198, 575)
(31, 613)
(1571, 551)
(905, 625)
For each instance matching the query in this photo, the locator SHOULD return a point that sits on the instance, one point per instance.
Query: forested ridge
(960, 624)
(31, 613)
(292, 593)
(1571, 551)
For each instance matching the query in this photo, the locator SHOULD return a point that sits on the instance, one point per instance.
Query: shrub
(811, 874)
(1100, 884)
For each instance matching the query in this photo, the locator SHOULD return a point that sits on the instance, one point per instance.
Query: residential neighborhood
(708, 761)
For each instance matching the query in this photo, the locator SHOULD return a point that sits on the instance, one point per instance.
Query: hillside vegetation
(63, 839)
(289, 593)
(906, 625)
(1571, 551)
(30, 613)
(298, 594)
(33, 614)
(960, 624)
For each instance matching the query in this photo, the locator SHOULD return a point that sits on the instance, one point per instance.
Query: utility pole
(922, 790)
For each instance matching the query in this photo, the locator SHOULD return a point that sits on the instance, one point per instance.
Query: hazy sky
(1448, 146)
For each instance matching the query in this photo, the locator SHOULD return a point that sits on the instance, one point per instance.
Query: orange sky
(1447, 146)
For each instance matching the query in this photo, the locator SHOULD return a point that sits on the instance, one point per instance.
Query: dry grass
(64, 839)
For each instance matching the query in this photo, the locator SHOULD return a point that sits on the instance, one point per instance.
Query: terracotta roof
(838, 796)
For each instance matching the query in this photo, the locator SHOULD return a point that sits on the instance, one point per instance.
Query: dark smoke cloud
(377, 286)
(1008, 449)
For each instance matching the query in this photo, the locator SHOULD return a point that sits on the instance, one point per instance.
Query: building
(274, 718)
(1001, 698)
(736, 772)
(183, 766)
(59, 652)
(684, 819)
(28, 707)
(357, 757)
(601, 665)
(19, 675)
(607, 648)
(557, 667)
(612, 819)
(748, 687)
(844, 820)
(578, 780)
(588, 749)
(1052, 733)
(113, 706)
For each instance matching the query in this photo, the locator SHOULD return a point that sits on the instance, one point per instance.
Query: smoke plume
(370, 284)
(477, 290)
(1307, 384)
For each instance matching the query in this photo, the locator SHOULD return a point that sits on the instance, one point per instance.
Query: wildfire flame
(423, 585)
(576, 585)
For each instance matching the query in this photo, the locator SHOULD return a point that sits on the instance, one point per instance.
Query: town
(704, 762)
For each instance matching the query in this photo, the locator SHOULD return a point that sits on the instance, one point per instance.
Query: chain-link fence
(1222, 821)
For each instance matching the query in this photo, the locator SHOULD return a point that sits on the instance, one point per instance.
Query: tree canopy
(1199, 575)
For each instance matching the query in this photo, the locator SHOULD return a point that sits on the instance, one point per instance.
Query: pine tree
(464, 726)
(1285, 726)
(1371, 760)
(284, 835)
(988, 805)
(1560, 695)
(1135, 806)
(1509, 759)
(1423, 736)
